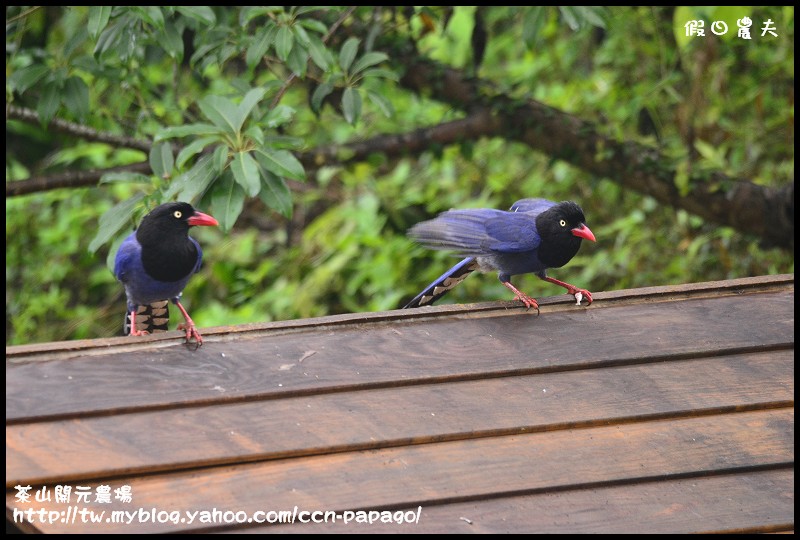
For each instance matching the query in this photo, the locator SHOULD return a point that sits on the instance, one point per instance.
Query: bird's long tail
(444, 283)
(150, 318)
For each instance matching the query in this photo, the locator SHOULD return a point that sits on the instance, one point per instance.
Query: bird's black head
(173, 218)
(167, 252)
(561, 228)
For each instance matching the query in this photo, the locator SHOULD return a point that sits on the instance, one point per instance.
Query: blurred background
(318, 136)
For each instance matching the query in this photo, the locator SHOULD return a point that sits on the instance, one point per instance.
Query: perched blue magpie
(155, 263)
(536, 234)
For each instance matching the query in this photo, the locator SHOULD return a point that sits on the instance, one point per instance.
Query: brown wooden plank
(733, 503)
(192, 437)
(460, 471)
(390, 354)
(76, 348)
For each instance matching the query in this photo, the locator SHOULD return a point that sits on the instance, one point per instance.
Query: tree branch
(70, 128)
(71, 179)
(395, 145)
(414, 142)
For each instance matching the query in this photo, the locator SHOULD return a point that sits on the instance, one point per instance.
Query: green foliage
(229, 96)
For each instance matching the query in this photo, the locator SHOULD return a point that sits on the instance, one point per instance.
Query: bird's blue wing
(458, 230)
(478, 231)
(129, 251)
(535, 206)
(512, 233)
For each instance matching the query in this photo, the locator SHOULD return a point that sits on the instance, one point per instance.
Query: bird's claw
(580, 294)
(135, 332)
(191, 333)
(528, 301)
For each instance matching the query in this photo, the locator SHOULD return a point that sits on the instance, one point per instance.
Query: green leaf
(682, 180)
(249, 13)
(203, 14)
(192, 149)
(681, 16)
(351, 105)
(319, 95)
(255, 134)
(533, 21)
(712, 153)
(319, 53)
(26, 77)
(275, 193)
(298, 60)
(348, 53)
(382, 73)
(730, 15)
(161, 160)
(184, 131)
(48, 103)
(108, 39)
(258, 49)
(98, 19)
(245, 172)
(284, 141)
(75, 42)
(314, 25)
(570, 17)
(302, 10)
(220, 160)
(300, 35)
(281, 162)
(151, 15)
(593, 15)
(382, 103)
(283, 42)
(114, 220)
(76, 97)
(204, 54)
(227, 201)
(222, 112)
(191, 185)
(171, 41)
(126, 46)
(279, 116)
(369, 59)
(249, 102)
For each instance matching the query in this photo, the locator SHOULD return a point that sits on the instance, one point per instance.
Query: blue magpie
(155, 263)
(534, 235)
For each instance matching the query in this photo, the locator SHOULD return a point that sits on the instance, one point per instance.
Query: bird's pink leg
(134, 331)
(191, 329)
(571, 289)
(522, 297)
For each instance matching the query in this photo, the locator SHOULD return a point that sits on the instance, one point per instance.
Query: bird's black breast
(555, 254)
(168, 254)
(169, 261)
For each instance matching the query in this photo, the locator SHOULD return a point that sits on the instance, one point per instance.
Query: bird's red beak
(582, 231)
(199, 218)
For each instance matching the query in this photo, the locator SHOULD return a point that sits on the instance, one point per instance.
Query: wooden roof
(665, 409)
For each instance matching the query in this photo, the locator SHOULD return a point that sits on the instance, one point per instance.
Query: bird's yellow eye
(563, 223)
(177, 214)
